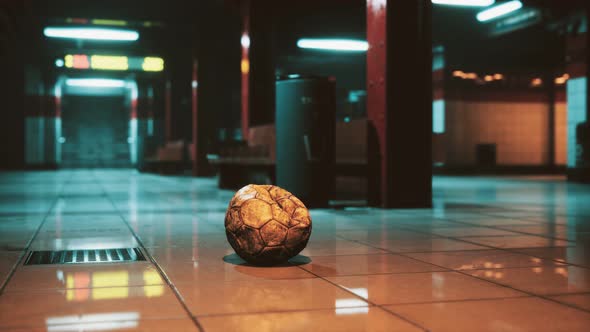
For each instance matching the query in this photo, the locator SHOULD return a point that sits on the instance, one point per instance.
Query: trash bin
(305, 134)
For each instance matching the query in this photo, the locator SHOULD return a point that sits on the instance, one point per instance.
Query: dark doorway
(95, 131)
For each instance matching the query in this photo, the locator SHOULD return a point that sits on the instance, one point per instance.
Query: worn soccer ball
(267, 225)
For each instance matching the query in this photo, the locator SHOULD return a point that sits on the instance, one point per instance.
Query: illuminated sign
(111, 62)
(107, 62)
(152, 64)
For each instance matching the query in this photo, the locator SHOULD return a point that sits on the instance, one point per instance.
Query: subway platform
(493, 254)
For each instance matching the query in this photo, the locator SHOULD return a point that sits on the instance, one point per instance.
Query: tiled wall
(576, 113)
(519, 130)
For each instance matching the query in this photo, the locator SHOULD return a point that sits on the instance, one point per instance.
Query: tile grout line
(158, 267)
(489, 247)
(29, 243)
(407, 320)
(493, 282)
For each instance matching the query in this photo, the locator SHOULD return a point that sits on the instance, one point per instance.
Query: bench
(173, 157)
(254, 162)
(241, 163)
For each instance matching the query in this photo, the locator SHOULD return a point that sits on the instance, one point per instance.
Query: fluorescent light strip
(91, 33)
(95, 83)
(499, 11)
(345, 45)
(465, 3)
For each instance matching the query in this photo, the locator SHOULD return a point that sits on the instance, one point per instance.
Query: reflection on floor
(494, 254)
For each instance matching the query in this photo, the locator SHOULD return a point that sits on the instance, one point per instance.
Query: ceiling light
(91, 33)
(465, 3)
(95, 83)
(499, 11)
(346, 45)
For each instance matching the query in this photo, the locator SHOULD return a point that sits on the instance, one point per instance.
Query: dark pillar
(587, 62)
(261, 63)
(399, 100)
(215, 79)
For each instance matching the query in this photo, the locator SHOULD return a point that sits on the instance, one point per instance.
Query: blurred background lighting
(499, 11)
(334, 44)
(153, 64)
(465, 3)
(91, 33)
(95, 82)
(109, 62)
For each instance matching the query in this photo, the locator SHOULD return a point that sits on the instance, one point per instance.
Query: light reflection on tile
(422, 287)
(481, 259)
(265, 295)
(543, 280)
(34, 308)
(83, 276)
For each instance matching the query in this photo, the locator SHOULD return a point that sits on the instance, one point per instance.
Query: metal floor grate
(86, 256)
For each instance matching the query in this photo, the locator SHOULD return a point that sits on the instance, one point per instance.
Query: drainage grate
(86, 256)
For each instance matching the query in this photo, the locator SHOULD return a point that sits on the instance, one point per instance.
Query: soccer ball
(267, 225)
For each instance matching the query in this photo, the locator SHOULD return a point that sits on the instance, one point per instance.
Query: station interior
(441, 148)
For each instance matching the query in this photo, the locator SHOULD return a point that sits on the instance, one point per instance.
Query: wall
(519, 128)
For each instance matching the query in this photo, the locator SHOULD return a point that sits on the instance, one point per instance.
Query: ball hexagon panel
(255, 212)
(273, 233)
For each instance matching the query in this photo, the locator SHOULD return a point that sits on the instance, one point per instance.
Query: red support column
(399, 102)
(376, 103)
(245, 68)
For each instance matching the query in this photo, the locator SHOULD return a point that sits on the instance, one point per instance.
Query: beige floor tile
(578, 300)
(519, 314)
(423, 245)
(234, 269)
(491, 221)
(546, 230)
(337, 247)
(19, 309)
(519, 241)
(545, 280)
(166, 255)
(367, 319)
(421, 287)
(481, 259)
(365, 264)
(468, 231)
(29, 277)
(7, 261)
(264, 296)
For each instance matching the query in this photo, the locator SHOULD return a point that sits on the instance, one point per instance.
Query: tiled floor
(494, 254)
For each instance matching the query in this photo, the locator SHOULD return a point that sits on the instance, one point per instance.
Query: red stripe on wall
(133, 113)
(438, 75)
(438, 93)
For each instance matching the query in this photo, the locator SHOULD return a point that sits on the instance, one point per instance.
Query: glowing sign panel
(113, 62)
(152, 64)
(107, 62)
